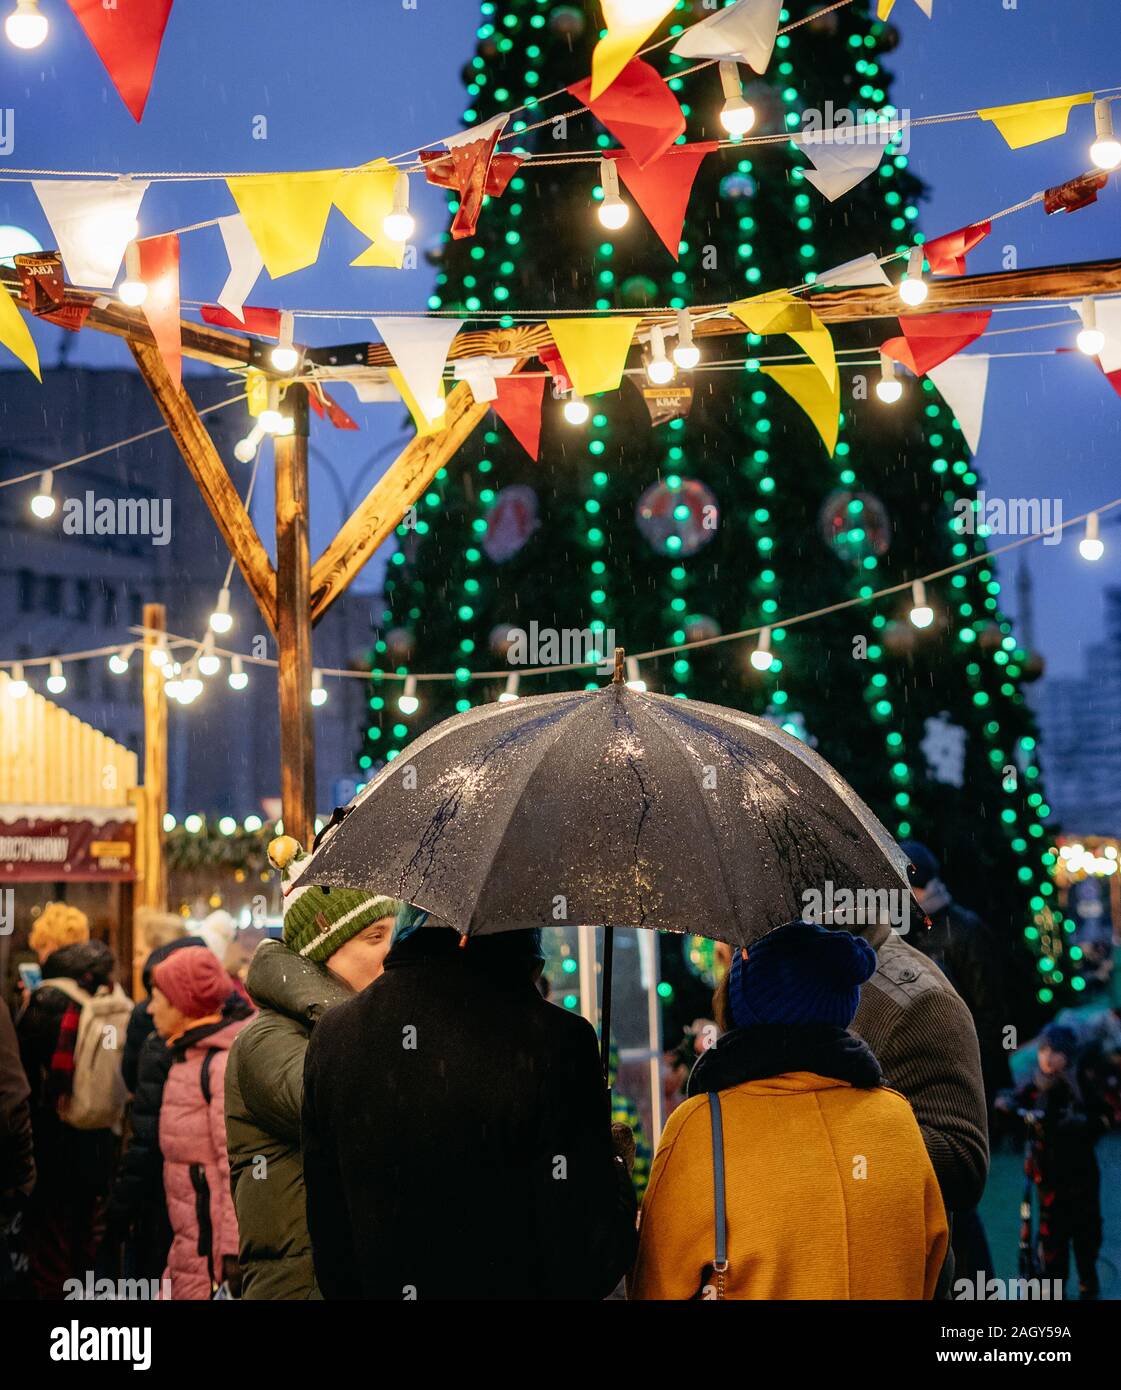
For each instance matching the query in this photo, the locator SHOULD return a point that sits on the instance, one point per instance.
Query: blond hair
(56, 926)
(157, 928)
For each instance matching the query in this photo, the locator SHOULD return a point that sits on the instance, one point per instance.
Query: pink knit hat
(194, 981)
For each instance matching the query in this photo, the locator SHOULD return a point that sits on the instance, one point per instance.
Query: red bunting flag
(330, 408)
(265, 322)
(159, 269)
(127, 37)
(472, 168)
(1114, 378)
(638, 109)
(947, 254)
(1075, 194)
(662, 188)
(518, 406)
(930, 339)
(553, 363)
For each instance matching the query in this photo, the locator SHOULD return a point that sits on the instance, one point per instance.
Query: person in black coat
(457, 1136)
(17, 1157)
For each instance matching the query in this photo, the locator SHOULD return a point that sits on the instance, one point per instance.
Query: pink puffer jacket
(196, 1170)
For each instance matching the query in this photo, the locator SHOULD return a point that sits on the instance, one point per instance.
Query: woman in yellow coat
(828, 1190)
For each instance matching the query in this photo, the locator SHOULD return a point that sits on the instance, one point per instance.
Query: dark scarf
(771, 1049)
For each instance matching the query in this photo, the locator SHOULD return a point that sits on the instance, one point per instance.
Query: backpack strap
(720, 1211)
(71, 988)
(204, 1075)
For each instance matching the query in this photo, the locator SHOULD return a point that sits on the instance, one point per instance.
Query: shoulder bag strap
(720, 1213)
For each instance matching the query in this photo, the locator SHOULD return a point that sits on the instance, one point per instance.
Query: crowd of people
(384, 1109)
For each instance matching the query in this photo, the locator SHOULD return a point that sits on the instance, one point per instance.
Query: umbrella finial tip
(620, 663)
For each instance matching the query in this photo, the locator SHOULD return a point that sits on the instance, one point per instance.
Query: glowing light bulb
(634, 676)
(285, 357)
(271, 421)
(613, 212)
(118, 662)
(889, 388)
(208, 662)
(1091, 547)
(237, 678)
(576, 410)
(1090, 340)
(1106, 149)
(921, 615)
(736, 115)
(686, 354)
(318, 694)
(659, 368)
(190, 687)
(407, 701)
(436, 408)
(913, 289)
(245, 450)
(160, 655)
(25, 26)
(56, 681)
(399, 223)
(17, 685)
(761, 657)
(221, 620)
(43, 503)
(132, 290)
(510, 694)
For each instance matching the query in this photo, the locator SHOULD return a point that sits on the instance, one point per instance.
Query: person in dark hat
(456, 1132)
(829, 1190)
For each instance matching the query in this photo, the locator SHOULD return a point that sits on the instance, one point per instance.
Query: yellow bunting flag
(256, 392)
(594, 351)
(821, 400)
(629, 24)
(885, 7)
(15, 334)
(1029, 122)
(286, 215)
(779, 311)
(424, 424)
(365, 197)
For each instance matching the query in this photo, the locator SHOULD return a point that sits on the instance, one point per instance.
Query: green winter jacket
(264, 1094)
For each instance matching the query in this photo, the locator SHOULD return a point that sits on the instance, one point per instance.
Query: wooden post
(152, 885)
(293, 628)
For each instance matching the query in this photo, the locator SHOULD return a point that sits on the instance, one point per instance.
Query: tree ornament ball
(638, 292)
(501, 639)
(567, 21)
(400, 643)
(1033, 667)
(737, 186)
(855, 525)
(990, 637)
(677, 519)
(699, 627)
(900, 638)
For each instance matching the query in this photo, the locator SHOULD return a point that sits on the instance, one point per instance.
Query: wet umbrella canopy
(610, 807)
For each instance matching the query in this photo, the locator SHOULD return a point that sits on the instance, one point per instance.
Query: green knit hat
(318, 920)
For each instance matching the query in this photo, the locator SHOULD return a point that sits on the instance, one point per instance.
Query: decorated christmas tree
(674, 516)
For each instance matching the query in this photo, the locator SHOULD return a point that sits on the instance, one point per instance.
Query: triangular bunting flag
(245, 264)
(779, 311)
(662, 188)
(365, 197)
(1114, 379)
(1029, 122)
(820, 399)
(745, 31)
(930, 339)
(844, 157)
(885, 7)
(628, 27)
(947, 253)
(473, 169)
(594, 350)
(127, 38)
(638, 109)
(419, 348)
(329, 407)
(425, 423)
(286, 215)
(93, 222)
(963, 383)
(1108, 316)
(159, 269)
(865, 270)
(15, 334)
(482, 373)
(265, 322)
(518, 406)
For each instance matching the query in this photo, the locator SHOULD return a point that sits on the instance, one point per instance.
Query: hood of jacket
(218, 1036)
(162, 952)
(90, 963)
(769, 1052)
(286, 983)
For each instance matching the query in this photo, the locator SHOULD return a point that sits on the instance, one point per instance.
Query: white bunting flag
(420, 349)
(844, 157)
(865, 270)
(962, 382)
(92, 222)
(246, 264)
(744, 31)
(1107, 314)
(480, 374)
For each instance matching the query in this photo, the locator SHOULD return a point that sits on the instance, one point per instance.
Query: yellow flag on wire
(779, 311)
(15, 334)
(1029, 122)
(286, 215)
(365, 197)
(821, 400)
(629, 24)
(425, 424)
(256, 392)
(885, 7)
(594, 351)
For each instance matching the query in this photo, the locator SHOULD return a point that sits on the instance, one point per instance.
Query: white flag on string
(419, 348)
(93, 222)
(744, 31)
(246, 264)
(865, 270)
(963, 382)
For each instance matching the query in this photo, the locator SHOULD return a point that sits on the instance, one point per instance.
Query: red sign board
(50, 849)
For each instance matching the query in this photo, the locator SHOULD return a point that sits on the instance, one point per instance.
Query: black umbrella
(612, 808)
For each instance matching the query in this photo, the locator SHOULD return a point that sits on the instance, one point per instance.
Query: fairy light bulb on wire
(270, 419)
(613, 212)
(43, 503)
(408, 701)
(889, 388)
(245, 450)
(132, 290)
(686, 354)
(26, 27)
(1091, 340)
(221, 620)
(634, 675)
(921, 615)
(659, 368)
(56, 681)
(285, 356)
(576, 409)
(208, 662)
(160, 656)
(118, 662)
(17, 683)
(736, 115)
(1106, 149)
(237, 679)
(761, 657)
(399, 224)
(913, 289)
(1091, 546)
(318, 694)
(190, 684)
(510, 694)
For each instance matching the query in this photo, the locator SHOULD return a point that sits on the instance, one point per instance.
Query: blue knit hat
(800, 973)
(922, 866)
(1060, 1038)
